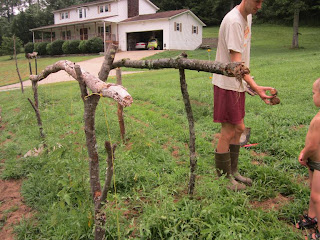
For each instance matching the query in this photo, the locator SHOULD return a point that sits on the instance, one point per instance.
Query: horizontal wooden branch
(117, 92)
(233, 69)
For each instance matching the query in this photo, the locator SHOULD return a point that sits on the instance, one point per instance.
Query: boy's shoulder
(316, 120)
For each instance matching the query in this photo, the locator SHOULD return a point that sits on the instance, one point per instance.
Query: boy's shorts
(313, 165)
(229, 106)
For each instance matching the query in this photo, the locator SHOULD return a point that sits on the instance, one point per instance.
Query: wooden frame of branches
(100, 88)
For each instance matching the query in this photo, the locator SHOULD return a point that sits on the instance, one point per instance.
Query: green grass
(152, 169)
(9, 74)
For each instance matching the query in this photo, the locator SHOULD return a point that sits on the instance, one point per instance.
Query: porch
(107, 31)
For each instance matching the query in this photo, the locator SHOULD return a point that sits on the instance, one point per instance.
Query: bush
(57, 47)
(28, 48)
(95, 45)
(41, 48)
(83, 46)
(66, 48)
(74, 46)
(49, 48)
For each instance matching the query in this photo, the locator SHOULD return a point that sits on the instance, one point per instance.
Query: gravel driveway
(92, 66)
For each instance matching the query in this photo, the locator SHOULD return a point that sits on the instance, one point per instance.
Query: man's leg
(222, 155)
(234, 154)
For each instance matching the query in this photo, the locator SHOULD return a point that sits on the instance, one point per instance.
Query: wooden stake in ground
(120, 108)
(192, 138)
(15, 58)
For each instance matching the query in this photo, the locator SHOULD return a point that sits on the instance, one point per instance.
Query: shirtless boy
(310, 157)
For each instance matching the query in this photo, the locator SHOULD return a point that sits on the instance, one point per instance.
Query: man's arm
(261, 91)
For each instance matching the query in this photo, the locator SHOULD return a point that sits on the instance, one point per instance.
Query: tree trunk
(295, 39)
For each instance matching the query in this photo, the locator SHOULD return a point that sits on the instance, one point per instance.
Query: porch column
(74, 30)
(51, 34)
(33, 36)
(42, 36)
(104, 37)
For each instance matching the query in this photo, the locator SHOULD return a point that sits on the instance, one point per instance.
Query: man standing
(229, 94)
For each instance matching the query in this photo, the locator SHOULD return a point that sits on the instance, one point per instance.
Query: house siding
(91, 13)
(146, 8)
(185, 39)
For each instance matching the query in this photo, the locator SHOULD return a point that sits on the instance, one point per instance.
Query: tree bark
(295, 38)
(234, 69)
(192, 135)
(107, 63)
(118, 93)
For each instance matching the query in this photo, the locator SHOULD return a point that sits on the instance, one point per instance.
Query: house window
(178, 27)
(100, 30)
(104, 8)
(66, 35)
(82, 12)
(64, 15)
(194, 29)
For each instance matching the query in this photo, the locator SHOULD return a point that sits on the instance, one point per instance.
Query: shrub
(83, 46)
(95, 45)
(49, 49)
(57, 47)
(28, 48)
(41, 48)
(74, 46)
(66, 47)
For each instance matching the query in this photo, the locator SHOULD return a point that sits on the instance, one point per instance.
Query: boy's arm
(311, 148)
(261, 91)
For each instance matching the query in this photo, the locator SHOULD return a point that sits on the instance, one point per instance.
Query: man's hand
(261, 91)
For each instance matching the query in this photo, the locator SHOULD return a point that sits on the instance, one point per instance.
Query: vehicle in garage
(141, 45)
(154, 44)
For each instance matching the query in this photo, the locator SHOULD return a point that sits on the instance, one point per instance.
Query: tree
(7, 46)
(7, 8)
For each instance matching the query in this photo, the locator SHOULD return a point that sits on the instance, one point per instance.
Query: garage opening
(143, 37)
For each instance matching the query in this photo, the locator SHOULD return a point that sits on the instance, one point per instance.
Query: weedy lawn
(148, 199)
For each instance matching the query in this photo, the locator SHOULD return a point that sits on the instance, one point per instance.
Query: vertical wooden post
(120, 108)
(15, 58)
(192, 139)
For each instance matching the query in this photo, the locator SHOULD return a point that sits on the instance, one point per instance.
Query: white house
(125, 22)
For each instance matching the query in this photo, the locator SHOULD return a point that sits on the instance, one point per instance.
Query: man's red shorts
(229, 106)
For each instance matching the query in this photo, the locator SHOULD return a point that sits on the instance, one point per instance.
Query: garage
(135, 37)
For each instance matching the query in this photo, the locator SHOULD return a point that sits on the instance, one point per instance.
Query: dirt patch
(12, 208)
(272, 203)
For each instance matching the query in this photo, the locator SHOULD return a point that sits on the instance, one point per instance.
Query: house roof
(94, 3)
(101, 19)
(83, 5)
(159, 15)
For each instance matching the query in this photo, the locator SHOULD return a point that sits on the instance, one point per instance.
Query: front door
(83, 33)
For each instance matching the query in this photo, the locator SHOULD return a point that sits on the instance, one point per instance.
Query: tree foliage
(7, 46)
